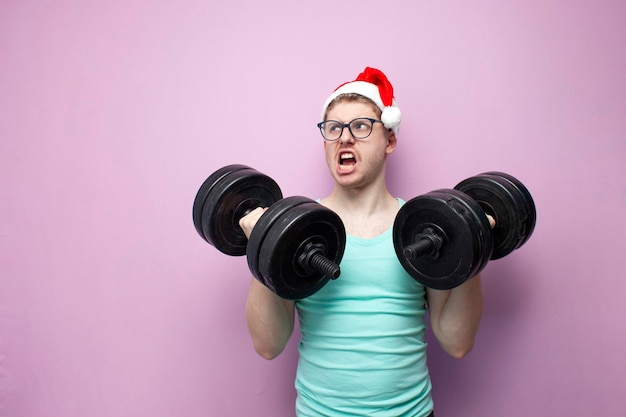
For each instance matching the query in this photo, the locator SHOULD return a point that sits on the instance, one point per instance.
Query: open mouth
(347, 158)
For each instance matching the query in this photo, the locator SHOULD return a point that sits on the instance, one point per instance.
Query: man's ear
(392, 141)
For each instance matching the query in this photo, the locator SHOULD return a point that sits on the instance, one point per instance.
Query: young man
(362, 350)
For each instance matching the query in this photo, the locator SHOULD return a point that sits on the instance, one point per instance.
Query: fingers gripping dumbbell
(294, 248)
(443, 238)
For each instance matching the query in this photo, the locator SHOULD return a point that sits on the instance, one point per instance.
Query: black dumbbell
(294, 248)
(443, 238)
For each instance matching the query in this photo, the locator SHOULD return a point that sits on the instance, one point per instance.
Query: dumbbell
(294, 248)
(443, 238)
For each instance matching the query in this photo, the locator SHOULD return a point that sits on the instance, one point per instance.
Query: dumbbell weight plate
(483, 238)
(230, 197)
(509, 202)
(261, 228)
(295, 222)
(205, 189)
(530, 212)
(466, 238)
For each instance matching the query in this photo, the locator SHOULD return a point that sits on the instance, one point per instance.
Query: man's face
(357, 163)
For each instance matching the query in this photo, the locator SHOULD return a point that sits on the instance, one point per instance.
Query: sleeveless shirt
(362, 348)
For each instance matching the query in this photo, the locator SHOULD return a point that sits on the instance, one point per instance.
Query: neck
(359, 201)
(365, 212)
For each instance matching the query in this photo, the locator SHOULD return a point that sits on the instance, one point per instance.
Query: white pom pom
(391, 117)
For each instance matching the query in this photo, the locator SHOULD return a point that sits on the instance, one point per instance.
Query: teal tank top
(362, 351)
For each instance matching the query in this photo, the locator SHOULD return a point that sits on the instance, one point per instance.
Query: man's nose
(346, 135)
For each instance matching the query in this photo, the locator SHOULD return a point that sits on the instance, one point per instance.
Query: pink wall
(113, 112)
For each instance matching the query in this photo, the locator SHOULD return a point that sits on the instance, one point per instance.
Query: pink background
(113, 112)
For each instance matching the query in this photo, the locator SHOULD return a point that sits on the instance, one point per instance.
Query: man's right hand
(248, 221)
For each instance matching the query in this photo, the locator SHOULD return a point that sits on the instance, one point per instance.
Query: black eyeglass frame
(320, 125)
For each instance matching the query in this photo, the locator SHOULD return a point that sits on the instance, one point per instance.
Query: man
(362, 350)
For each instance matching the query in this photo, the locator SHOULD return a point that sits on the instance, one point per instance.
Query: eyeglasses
(359, 128)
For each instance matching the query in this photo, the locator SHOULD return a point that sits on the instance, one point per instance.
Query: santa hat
(373, 84)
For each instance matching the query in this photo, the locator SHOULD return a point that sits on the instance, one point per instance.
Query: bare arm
(455, 316)
(270, 318)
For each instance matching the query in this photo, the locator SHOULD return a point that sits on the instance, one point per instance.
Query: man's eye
(361, 126)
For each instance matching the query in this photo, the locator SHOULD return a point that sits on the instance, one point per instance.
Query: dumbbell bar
(296, 245)
(443, 238)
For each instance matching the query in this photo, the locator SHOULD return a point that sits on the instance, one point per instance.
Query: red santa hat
(373, 84)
